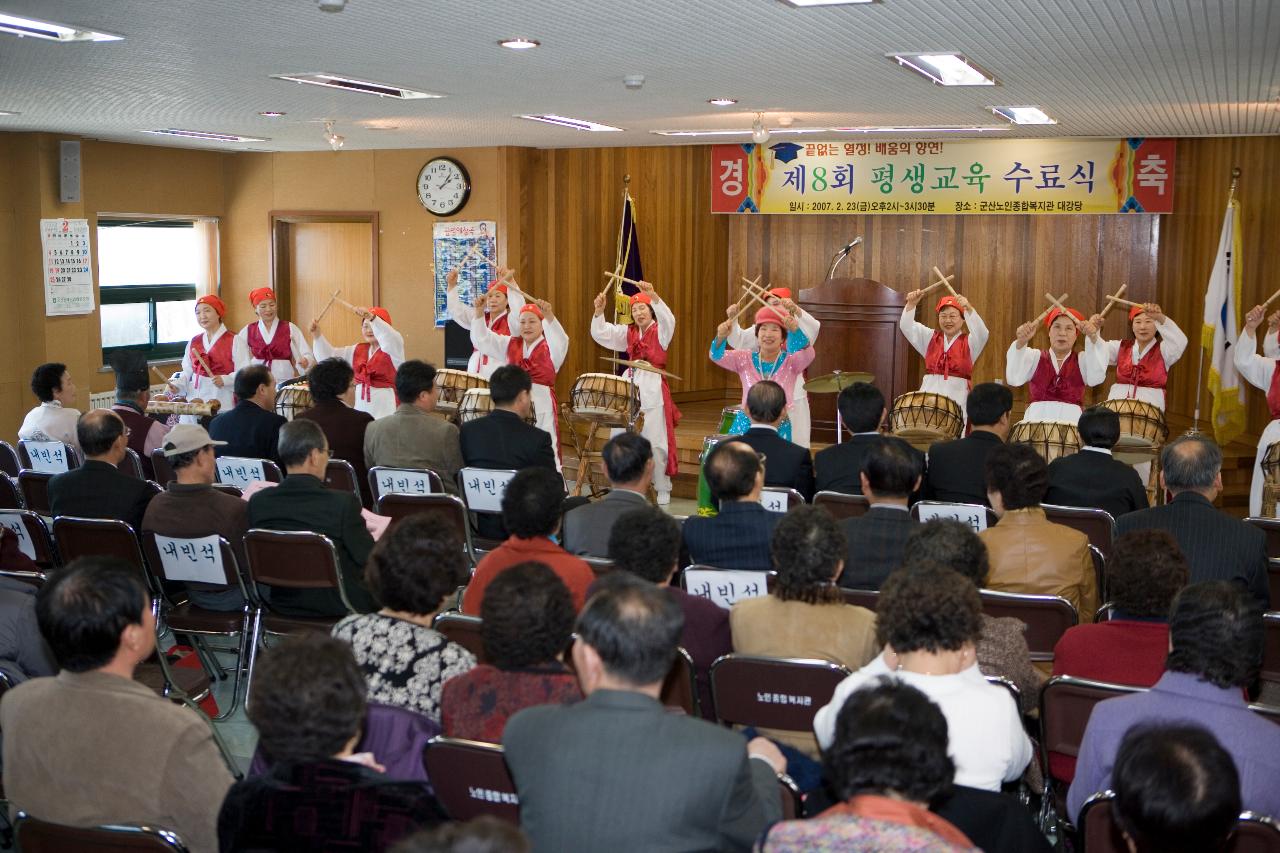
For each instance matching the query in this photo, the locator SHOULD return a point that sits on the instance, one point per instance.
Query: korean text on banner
(472, 249)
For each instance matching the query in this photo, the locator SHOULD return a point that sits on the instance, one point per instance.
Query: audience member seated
(55, 418)
(308, 707)
(616, 771)
(334, 394)
(98, 488)
(503, 439)
(1092, 478)
(531, 511)
(191, 508)
(484, 834)
(805, 616)
(1215, 651)
(24, 653)
(628, 463)
(303, 502)
(1002, 649)
(891, 471)
(527, 628)
(957, 469)
(646, 543)
(133, 392)
(411, 437)
(1216, 545)
(929, 619)
(837, 467)
(412, 572)
(252, 428)
(1028, 552)
(1146, 571)
(738, 537)
(1177, 790)
(887, 761)
(92, 746)
(787, 465)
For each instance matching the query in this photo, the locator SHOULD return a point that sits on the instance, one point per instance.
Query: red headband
(213, 302)
(768, 315)
(1135, 311)
(530, 308)
(948, 302)
(501, 288)
(261, 293)
(642, 297)
(1057, 312)
(781, 292)
(383, 313)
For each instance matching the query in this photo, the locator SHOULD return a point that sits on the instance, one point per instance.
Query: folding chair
(229, 489)
(1271, 647)
(1047, 617)
(384, 480)
(1097, 524)
(599, 565)
(38, 534)
(229, 469)
(1001, 681)
(1099, 832)
(471, 779)
(70, 457)
(131, 464)
(680, 687)
(38, 836)
(1271, 527)
(1270, 712)
(9, 462)
(10, 498)
(463, 630)
(482, 490)
(867, 598)
(340, 476)
(161, 468)
(1099, 572)
(841, 505)
(777, 499)
(447, 507)
(772, 693)
(34, 486)
(725, 586)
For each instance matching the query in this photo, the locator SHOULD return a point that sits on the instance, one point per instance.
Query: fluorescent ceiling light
(806, 3)
(575, 123)
(520, 43)
(942, 128)
(271, 114)
(211, 137)
(364, 87)
(36, 28)
(9, 113)
(945, 69)
(722, 102)
(773, 131)
(1024, 115)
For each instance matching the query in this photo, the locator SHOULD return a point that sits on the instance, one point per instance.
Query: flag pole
(1195, 421)
(619, 258)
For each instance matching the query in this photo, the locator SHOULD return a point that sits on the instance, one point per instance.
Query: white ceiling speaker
(332, 5)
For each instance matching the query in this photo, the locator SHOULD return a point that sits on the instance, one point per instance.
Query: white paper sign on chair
(484, 488)
(198, 559)
(13, 521)
(47, 456)
(775, 500)
(725, 586)
(240, 471)
(403, 481)
(971, 514)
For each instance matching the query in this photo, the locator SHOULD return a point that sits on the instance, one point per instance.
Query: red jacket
(574, 571)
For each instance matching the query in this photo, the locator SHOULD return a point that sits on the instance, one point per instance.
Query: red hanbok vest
(646, 347)
(280, 348)
(1273, 393)
(542, 370)
(1065, 386)
(1149, 372)
(219, 358)
(376, 372)
(955, 361)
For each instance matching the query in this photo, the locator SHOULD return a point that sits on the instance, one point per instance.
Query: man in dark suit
(787, 465)
(738, 537)
(303, 502)
(1092, 478)
(98, 489)
(503, 438)
(334, 395)
(862, 410)
(628, 462)
(252, 428)
(957, 469)
(616, 771)
(1217, 546)
(890, 473)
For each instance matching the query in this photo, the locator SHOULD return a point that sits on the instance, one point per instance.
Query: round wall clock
(443, 186)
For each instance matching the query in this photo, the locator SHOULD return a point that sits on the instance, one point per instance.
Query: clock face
(443, 186)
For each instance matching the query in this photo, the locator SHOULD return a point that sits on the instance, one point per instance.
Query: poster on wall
(472, 249)
(68, 267)
(1030, 176)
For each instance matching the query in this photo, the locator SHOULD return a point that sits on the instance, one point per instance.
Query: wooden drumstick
(617, 277)
(1110, 305)
(208, 371)
(1045, 312)
(946, 279)
(1272, 298)
(757, 295)
(753, 282)
(327, 305)
(939, 283)
(1057, 304)
(1116, 299)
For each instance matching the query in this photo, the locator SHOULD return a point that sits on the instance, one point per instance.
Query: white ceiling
(1101, 67)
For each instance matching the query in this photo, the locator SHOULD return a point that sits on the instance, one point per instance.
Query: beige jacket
(1031, 554)
(411, 438)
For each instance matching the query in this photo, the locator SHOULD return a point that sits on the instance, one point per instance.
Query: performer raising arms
(276, 343)
(375, 360)
(1142, 366)
(499, 304)
(949, 352)
(647, 339)
(539, 348)
(1260, 371)
(783, 355)
(740, 338)
(1058, 376)
(210, 352)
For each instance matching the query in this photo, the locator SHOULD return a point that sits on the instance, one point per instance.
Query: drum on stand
(293, 398)
(453, 385)
(1050, 439)
(922, 419)
(599, 401)
(1143, 431)
(727, 416)
(476, 403)
(1271, 479)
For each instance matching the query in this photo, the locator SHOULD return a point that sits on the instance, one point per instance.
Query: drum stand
(590, 463)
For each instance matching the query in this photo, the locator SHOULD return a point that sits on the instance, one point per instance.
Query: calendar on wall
(68, 267)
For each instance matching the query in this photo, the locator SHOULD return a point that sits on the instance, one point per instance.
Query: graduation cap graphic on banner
(786, 151)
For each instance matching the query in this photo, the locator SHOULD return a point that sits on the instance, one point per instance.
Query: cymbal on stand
(837, 381)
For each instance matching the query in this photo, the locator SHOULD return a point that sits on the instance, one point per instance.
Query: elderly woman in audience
(527, 625)
(308, 707)
(412, 572)
(930, 619)
(1002, 648)
(887, 763)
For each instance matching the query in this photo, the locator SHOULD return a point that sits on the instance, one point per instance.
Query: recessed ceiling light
(722, 102)
(211, 137)
(806, 3)
(271, 114)
(945, 69)
(1024, 115)
(520, 44)
(773, 131)
(941, 128)
(36, 28)
(575, 123)
(364, 87)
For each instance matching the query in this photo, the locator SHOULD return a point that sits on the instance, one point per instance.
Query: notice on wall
(68, 267)
(472, 249)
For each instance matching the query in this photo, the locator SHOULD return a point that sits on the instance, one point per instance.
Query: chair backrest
(1001, 681)
(10, 497)
(776, 499)
(241, 471)
(792, 798)
(207, 559)
(1100, 832)
(775, 693)
(38, 836)
(295, 559)
(1097, 524)
(447, 507)
(977, 516)
(462, 629)
(52, 457)
(9, 462)
(1270, 712)
(97, 537)
(723, 586)
(340, 476)
(471, 779)
(131, 464)
(842, 506)
(396, 737)
(403, 481)
(1047, 617)
(482, 488)
(599, 565)
(229, 489)
(34, 486)
(160, 465)
(867, 598)
(1271, 646)
(33, 537)
(1065, 706)
(680, 687)
(1099, 572)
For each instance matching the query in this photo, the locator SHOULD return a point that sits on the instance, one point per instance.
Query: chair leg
(208, 662)
(255, 638)
(242, 652)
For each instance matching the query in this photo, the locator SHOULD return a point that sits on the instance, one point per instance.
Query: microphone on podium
(842, 254)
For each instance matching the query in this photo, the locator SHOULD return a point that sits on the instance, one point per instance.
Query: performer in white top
(740, 338)
(647, 338)
(1057, 376)
(212, 350)
(1142, 363)
(276, 343)
(949, 352)
(56, 417)
(1260, 372)
(375, 360)
(500, 304)
(540, 348)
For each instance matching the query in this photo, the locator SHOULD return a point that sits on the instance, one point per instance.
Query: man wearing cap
(375, 360)
(949, 351)
(191, 507)
(500, 303)
(209, 365)
(276, 343)
(133, 392)
(646, 338)
(1057, 376)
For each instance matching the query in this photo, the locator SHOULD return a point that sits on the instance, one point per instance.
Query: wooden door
(324, 257)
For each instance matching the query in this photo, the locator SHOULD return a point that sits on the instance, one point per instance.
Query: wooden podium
(859, 332)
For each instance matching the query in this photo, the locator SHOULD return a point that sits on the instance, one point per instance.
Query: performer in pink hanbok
(784, 353)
